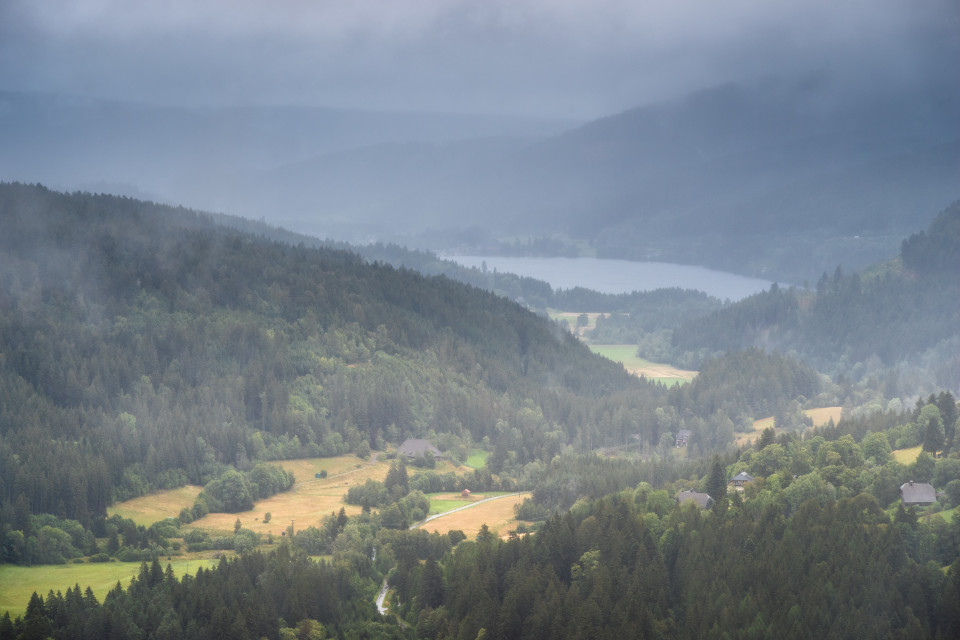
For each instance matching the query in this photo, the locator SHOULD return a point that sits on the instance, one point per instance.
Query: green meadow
(17, 583)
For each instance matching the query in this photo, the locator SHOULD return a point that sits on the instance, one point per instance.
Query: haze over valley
(443, 319)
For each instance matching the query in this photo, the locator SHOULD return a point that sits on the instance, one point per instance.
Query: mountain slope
(143, 346)
(727, 177)
(901, 317)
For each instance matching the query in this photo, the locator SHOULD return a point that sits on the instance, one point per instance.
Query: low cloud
(566, 57)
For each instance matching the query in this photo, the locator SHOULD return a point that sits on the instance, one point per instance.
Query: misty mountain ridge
(780, 178)
(173, 151)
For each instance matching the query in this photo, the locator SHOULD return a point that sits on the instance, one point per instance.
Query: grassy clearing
(907, 456)
(949, 514)
(18, 583)
(439, 506)
(152, 508)
(498, 515)
(477, 459)
(626, 354)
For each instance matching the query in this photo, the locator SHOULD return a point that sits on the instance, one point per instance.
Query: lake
(621, 276)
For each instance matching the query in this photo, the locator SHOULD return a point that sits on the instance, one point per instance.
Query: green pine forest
(146, 347)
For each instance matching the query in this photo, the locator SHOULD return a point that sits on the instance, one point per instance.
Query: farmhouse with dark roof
(920, 494)
(702, 500)
(414, 447)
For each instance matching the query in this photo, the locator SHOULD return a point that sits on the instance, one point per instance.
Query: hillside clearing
(820, 417)
(907, 456)
(626, 354)
(154, 507)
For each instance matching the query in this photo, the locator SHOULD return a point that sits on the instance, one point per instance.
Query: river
(621, 276)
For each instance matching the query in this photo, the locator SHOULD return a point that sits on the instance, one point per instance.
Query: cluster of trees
(47, 539)
(233, 491)
(618, 568)
(762, 563)
(251, 596)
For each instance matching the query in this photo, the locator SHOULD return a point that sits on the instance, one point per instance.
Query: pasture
(18, 583)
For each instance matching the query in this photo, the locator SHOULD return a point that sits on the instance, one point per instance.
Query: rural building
(683, 437)
(920, 494)
(701, 499)
(414, 447)
(740, 480)
(465, 493)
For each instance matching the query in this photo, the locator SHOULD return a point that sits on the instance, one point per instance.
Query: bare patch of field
(497, 514)
(148, 509)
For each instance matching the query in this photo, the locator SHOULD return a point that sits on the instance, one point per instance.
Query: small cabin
(740, 480)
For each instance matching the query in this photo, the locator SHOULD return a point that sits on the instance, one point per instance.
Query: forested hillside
(899, 322)
(145, 347)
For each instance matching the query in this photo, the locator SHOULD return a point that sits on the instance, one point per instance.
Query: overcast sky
(569, 58)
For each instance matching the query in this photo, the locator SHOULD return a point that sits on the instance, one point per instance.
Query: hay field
(310, 500)
(819, 416)
(148, 509)
(497, 514)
